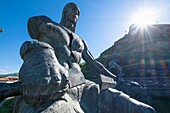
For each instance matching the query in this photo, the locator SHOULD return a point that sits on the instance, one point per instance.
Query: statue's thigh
(89, 98)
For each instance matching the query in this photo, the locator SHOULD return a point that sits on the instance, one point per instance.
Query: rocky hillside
(144, 56)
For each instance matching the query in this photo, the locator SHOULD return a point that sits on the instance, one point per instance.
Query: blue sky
(101, 23)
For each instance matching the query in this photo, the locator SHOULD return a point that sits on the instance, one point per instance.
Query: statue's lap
(86, 98)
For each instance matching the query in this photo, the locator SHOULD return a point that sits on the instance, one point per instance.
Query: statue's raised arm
(94, 65)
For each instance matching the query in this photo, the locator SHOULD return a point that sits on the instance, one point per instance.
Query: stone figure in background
(51, 79)
(116, 68)
(133, 89)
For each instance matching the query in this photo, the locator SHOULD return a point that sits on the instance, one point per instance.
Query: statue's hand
(43, 78)
(44, 89)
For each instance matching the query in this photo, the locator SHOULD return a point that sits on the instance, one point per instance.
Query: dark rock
(113, 101)
(135, 91)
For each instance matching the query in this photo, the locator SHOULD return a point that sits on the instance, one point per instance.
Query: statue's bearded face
(72, 14)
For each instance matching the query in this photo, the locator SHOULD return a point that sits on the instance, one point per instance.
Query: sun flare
(145, 17)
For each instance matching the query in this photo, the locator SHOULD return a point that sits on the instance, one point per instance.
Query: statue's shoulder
(40, 18)
(43, 24)
(34, 24)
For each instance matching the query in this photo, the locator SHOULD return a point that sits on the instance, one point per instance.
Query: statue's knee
(89, 97)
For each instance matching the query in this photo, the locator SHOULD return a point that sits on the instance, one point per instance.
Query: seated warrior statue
(52, 87)
(68, 47)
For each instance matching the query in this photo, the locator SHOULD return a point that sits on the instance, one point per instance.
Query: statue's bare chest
(70, 48)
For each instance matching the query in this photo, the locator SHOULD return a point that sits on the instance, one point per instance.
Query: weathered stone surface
(106, 82)
(48, 65)
(42, 77)
(155, 86)
(76, 77)
(89, 99)
(144, 56)
(8, 90)
(113, 101)
(135, 91)
(79, 99)
(65, 104)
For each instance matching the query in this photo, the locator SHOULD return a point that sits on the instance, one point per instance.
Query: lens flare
(144, 17)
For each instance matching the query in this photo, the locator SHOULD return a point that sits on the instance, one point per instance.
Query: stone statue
(51, 79)
(133, 89)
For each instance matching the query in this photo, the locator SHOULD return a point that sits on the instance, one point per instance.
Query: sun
(144, 17)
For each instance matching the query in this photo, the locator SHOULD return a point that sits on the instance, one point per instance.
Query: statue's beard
(71, 25)
(73, 22)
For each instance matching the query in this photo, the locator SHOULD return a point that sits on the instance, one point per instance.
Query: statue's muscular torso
(67, 45)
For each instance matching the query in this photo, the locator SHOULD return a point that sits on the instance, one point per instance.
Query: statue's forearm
(104, 71)
(33, 91)
(94, 65)
(10, 89)
(97, 68)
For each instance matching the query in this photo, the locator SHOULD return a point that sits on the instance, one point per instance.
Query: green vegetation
(161, 104)
(85, 70)
(7, 106)
(82, 65)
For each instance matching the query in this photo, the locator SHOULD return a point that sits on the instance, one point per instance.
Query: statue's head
(70, 14)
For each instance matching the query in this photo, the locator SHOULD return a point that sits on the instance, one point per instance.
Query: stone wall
(144, 54)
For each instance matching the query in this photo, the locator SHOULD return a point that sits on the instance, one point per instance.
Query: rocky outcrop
(118, 102)
(144, 56)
